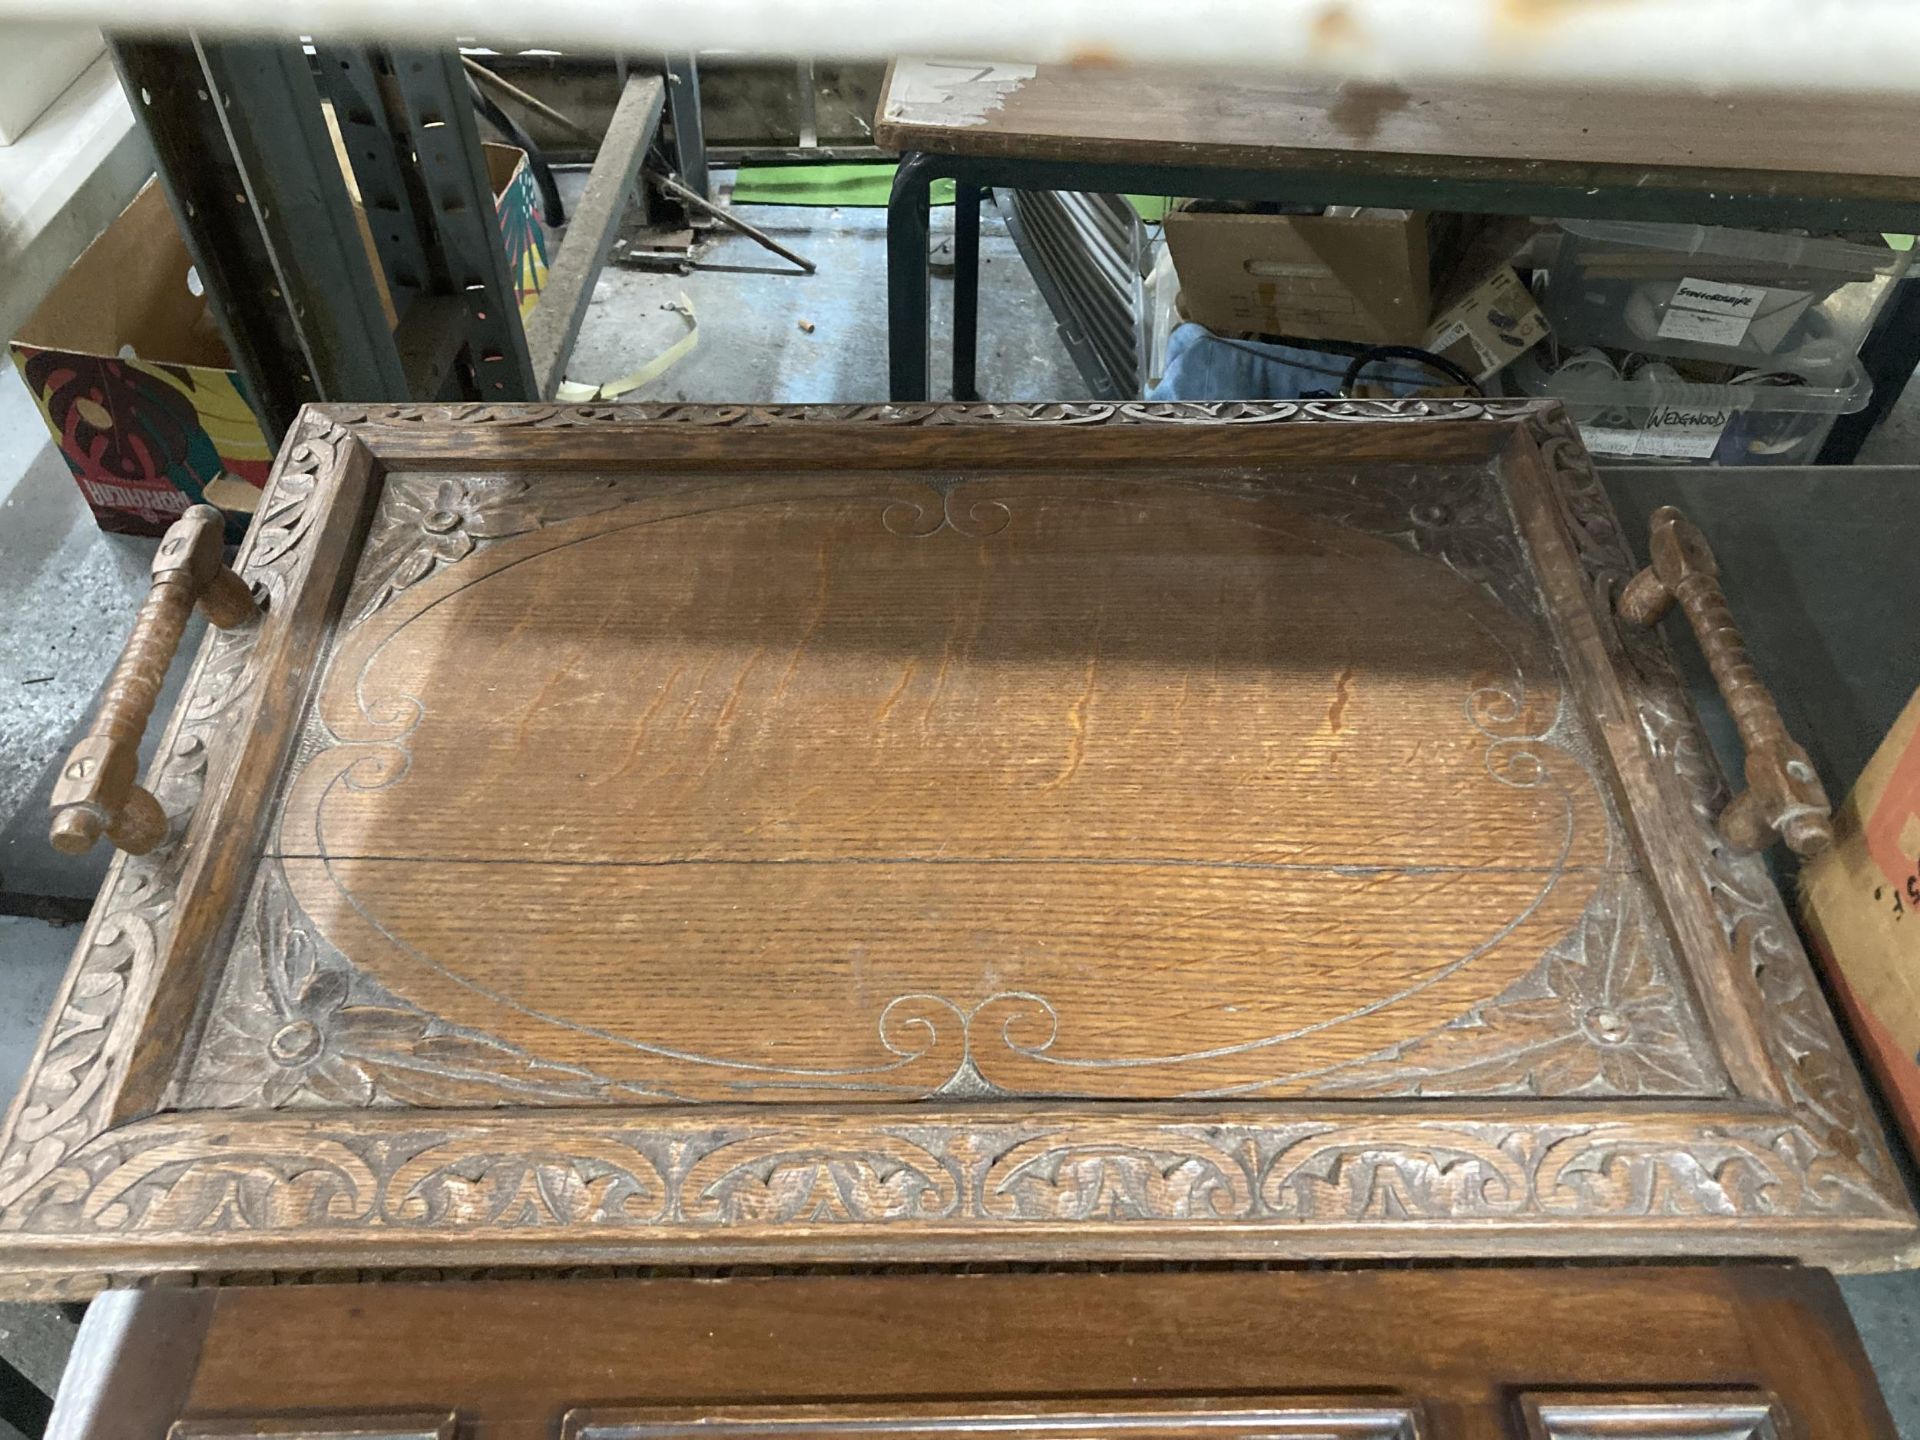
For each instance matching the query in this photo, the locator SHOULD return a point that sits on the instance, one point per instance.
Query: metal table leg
(966, 288)
(908, 216)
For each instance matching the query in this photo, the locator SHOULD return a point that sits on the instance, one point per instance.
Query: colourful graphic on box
(146, 440)
(525, 242)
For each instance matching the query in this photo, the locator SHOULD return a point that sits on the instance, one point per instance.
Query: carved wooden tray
(692, 835)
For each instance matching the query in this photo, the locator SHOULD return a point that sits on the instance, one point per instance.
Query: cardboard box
(1365, 276)
(135, 384)
(516, 204)
(1492, 322)
(1860, 902)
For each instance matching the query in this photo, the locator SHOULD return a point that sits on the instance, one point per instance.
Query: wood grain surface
(1048, 784)
(1439, 130)
(1435, 1353)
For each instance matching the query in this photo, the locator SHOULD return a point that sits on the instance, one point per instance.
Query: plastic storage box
(1743, 297)
(1659, 418)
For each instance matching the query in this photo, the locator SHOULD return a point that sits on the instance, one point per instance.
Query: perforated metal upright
(244, 154)
(428, 118)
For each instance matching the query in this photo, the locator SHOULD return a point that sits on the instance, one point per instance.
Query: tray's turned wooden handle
(1783, 795)
(96, 793)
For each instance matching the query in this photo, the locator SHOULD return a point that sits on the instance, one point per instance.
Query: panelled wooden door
(691, 833)
(1642, 1353)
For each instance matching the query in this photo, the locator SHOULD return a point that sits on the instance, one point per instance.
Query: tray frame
(100, 1183)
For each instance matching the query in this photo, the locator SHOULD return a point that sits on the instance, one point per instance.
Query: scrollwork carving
(1262, 412)
(682, 1176)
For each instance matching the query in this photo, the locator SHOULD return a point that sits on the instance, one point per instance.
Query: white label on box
(1681, 432)
(1673, 432)
(1605, 440)
(1719, 297)
(1716, 312)
(1698, 325)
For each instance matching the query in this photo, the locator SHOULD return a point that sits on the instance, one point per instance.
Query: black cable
(1406, 352)
(550, 206)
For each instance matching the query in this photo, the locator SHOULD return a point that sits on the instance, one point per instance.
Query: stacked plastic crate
(1688, 343)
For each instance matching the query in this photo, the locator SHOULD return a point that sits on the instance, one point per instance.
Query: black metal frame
(1890, 354)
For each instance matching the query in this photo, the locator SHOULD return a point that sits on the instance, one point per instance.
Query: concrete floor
(751, 305)
(67, 590)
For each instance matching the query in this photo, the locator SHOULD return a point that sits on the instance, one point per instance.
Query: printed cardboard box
(516, 201)
(1861, 905)
(1490, 325)
(136, 387)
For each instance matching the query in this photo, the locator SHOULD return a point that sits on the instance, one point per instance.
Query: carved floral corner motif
(1599, 1016)
(425, 523)
(295, 1025)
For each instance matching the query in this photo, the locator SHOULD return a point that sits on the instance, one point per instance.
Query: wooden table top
(1434, 130)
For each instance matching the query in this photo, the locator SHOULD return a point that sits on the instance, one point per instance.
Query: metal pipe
(515, 93)
(728, 218)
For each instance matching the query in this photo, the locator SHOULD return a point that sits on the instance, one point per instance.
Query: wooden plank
(736, 439)
(1816, 145)
(570, 280)
(1155, 774)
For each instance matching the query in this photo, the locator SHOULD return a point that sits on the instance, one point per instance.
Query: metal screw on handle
(96, 793)
(1784, 796)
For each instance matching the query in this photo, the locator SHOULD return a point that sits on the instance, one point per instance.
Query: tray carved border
(209, 1189)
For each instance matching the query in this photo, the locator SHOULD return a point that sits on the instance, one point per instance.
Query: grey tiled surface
(1886, 1308)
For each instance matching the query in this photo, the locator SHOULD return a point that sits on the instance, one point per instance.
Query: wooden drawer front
(322, 1427)
(1587, 1353)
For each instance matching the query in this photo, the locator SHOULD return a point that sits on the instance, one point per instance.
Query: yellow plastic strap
(574, 393)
